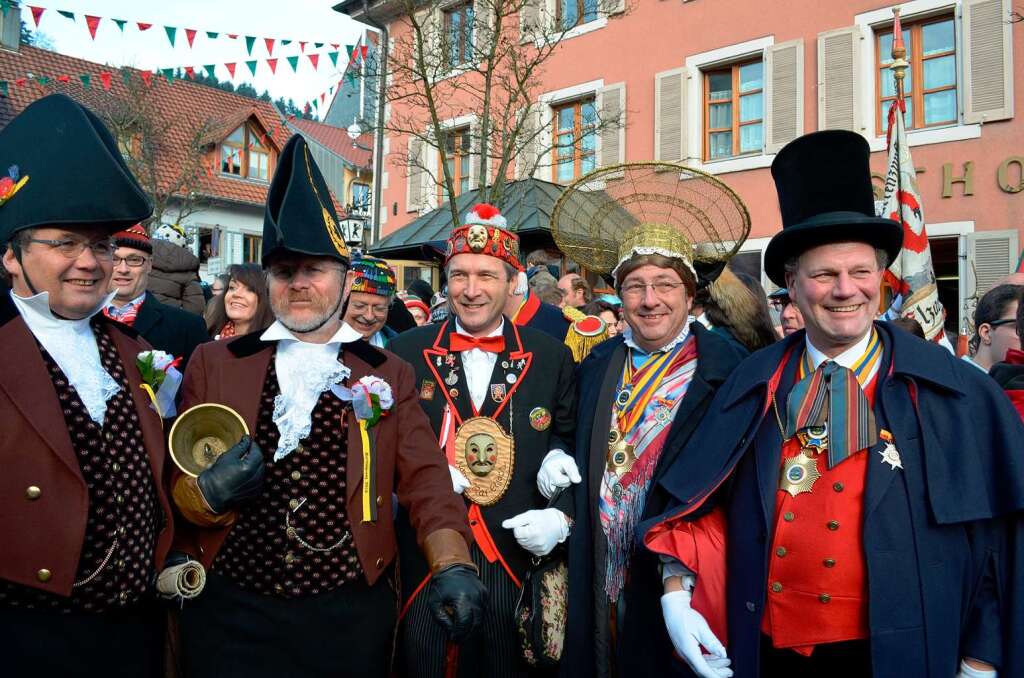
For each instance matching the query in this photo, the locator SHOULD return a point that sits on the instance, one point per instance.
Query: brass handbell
(202, 433)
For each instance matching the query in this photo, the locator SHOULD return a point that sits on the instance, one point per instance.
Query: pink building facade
(722, 85)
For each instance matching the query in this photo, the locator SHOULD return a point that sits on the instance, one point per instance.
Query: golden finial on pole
(899, 63)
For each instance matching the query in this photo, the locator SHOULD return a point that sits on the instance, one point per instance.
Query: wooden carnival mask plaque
(485, 454)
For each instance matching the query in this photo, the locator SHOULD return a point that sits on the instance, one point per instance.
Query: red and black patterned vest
(295, 538)
(115, 568)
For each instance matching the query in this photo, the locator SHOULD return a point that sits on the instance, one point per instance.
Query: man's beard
(311, 325)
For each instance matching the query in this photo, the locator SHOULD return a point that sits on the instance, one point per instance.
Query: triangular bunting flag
(330, 90)
(190, 33)
(5, 6)
(249, 42)
(3, 83)
(233, 36)
(64, 78)
(286, 42)
(293, 61)
(105, 78)
(335, 45)
(126, 76)
(21, 82)
(273, 65)
(66, 14)
(120, 24)
(231, 69)
(334, 58)
(252, 66)
(212, 35)
(210, 68)
(43, 80)
(169, 74)
(190, 72)
(322, 95)
(37, 14)
(314, 59)
(171, 32)
(86, 80)
(269, 42)
(318, 45)
(302, 46)
(363, 51)
(143, 26)
(305, 109)
(147, 77)
(350, 49)
(93, 22)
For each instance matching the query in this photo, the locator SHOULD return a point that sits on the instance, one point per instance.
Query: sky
(297, 20)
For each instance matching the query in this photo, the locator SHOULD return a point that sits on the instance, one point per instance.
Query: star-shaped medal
(891, 456)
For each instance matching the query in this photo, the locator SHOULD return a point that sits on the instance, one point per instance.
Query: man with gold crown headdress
(641, 395)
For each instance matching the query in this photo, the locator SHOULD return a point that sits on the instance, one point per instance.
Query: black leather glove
(458, 599)
(235, 477)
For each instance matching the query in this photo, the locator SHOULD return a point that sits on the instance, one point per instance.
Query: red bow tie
(464, 342)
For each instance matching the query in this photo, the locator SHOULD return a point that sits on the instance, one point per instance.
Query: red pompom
(485, 211)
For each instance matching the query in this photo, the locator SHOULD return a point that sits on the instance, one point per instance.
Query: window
(252, 248)
(457, 145)
(242, 154)
(734, 110)
(929, 87)
(360, 198)
(575, 140)
(458, 31)
(572, 13)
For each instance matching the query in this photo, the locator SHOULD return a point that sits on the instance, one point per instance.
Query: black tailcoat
(170, 329)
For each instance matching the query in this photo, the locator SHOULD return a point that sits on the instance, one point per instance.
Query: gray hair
(881, 256)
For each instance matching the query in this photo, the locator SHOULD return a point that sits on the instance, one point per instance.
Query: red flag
(335, 45)
(142, 26)
(270, 45)
(190, 33)
(190, 72)
(147, 77)
(93, 22)
(322, 95)
(362, 50)
(105, 78)
(233, 36)
(313, 59)
(302, 46)
(273, 65)
(231, 69)
(20, 82)
(37, 14)
(64, 78)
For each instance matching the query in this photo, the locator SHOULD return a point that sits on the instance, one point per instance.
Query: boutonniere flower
(160, 380)
(370, 397)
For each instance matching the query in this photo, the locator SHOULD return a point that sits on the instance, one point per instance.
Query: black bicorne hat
(824, 184)
(61, 167)
(300, 214)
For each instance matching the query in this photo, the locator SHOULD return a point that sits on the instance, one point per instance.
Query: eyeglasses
(133, 260)
(661, 288)
(779, 304)
(72, 248)
(1003, 321)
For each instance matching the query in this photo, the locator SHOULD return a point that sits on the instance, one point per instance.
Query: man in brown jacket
(300, 541)
(84, 515)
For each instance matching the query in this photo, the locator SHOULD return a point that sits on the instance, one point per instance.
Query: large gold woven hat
(616, 212)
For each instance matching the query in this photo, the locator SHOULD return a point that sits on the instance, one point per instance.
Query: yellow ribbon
(152, 396)
(364, 436)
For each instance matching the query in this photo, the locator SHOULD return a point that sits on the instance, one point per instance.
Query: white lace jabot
(72, 345)
(304, 371)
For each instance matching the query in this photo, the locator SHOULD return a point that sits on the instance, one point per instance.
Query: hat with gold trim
(485, 231)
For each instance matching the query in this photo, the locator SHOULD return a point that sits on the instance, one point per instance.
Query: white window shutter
(483, 25)
(839, 79)
(414, 177)
(784, 94)
(670, 115)
(988, 60)
(528, 144)
(530, 17)
(991, 255)
(474, 151)
(610, 7)
(611, 114)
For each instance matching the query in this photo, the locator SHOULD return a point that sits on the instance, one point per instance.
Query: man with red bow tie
(501, 400)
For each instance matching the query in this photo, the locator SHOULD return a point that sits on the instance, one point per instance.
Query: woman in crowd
(606, 312)
(244, 307)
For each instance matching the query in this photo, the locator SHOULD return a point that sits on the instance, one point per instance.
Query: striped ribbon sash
(832, 394)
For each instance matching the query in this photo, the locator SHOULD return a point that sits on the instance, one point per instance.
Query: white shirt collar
(278, 332)
(845, 359)
(38, 314)
(137, 300)
(627, 336)
(970, 360)
(493, 333)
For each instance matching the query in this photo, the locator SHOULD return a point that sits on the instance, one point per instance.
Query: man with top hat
(294, 524)
(641, 396)
(85, 521)
(847, 504)
(501, 402)
(370, 295)
(165, 327)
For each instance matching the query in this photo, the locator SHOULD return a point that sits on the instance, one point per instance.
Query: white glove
(557, 471)
(970, 672)
(688, 631)
(539, 531)
(459, 482)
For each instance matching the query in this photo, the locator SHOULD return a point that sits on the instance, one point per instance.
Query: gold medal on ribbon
(485, 454)
(799, 474)
(621, 455)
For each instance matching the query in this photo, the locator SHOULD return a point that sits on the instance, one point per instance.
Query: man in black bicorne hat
(296, 527)
(865, 483)
(85, 522)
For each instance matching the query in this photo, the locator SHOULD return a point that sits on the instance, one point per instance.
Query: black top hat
(72, 170)
(300, 214)
(824, 184)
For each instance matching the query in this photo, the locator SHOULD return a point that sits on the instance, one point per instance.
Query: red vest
(817, 581)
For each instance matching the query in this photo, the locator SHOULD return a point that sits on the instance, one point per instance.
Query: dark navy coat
(939, 535)
(644, 646)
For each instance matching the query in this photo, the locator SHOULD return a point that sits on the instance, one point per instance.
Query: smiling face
(655, 305)
(836, 287)
(76, 286)
(481, 453)
(130, 281)
(478, 287)
(240, 302)
(366, 313)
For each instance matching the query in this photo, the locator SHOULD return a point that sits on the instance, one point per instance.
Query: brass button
(278, 589)
(120, 564)
(379, 563)
(829, 562)
(119, 499)
(290, 532)
(781, 551)
(296, 475)
(293, 504)
(838, 487)
(788, 516)
(121, 531)
(380, 500)
(776, 587)
(833, 525)
(824, 597)
(123, 596)
(300, 449)
(289, 558)
(32, 493)
(115, 467)
(110, 436)
(44, 575)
